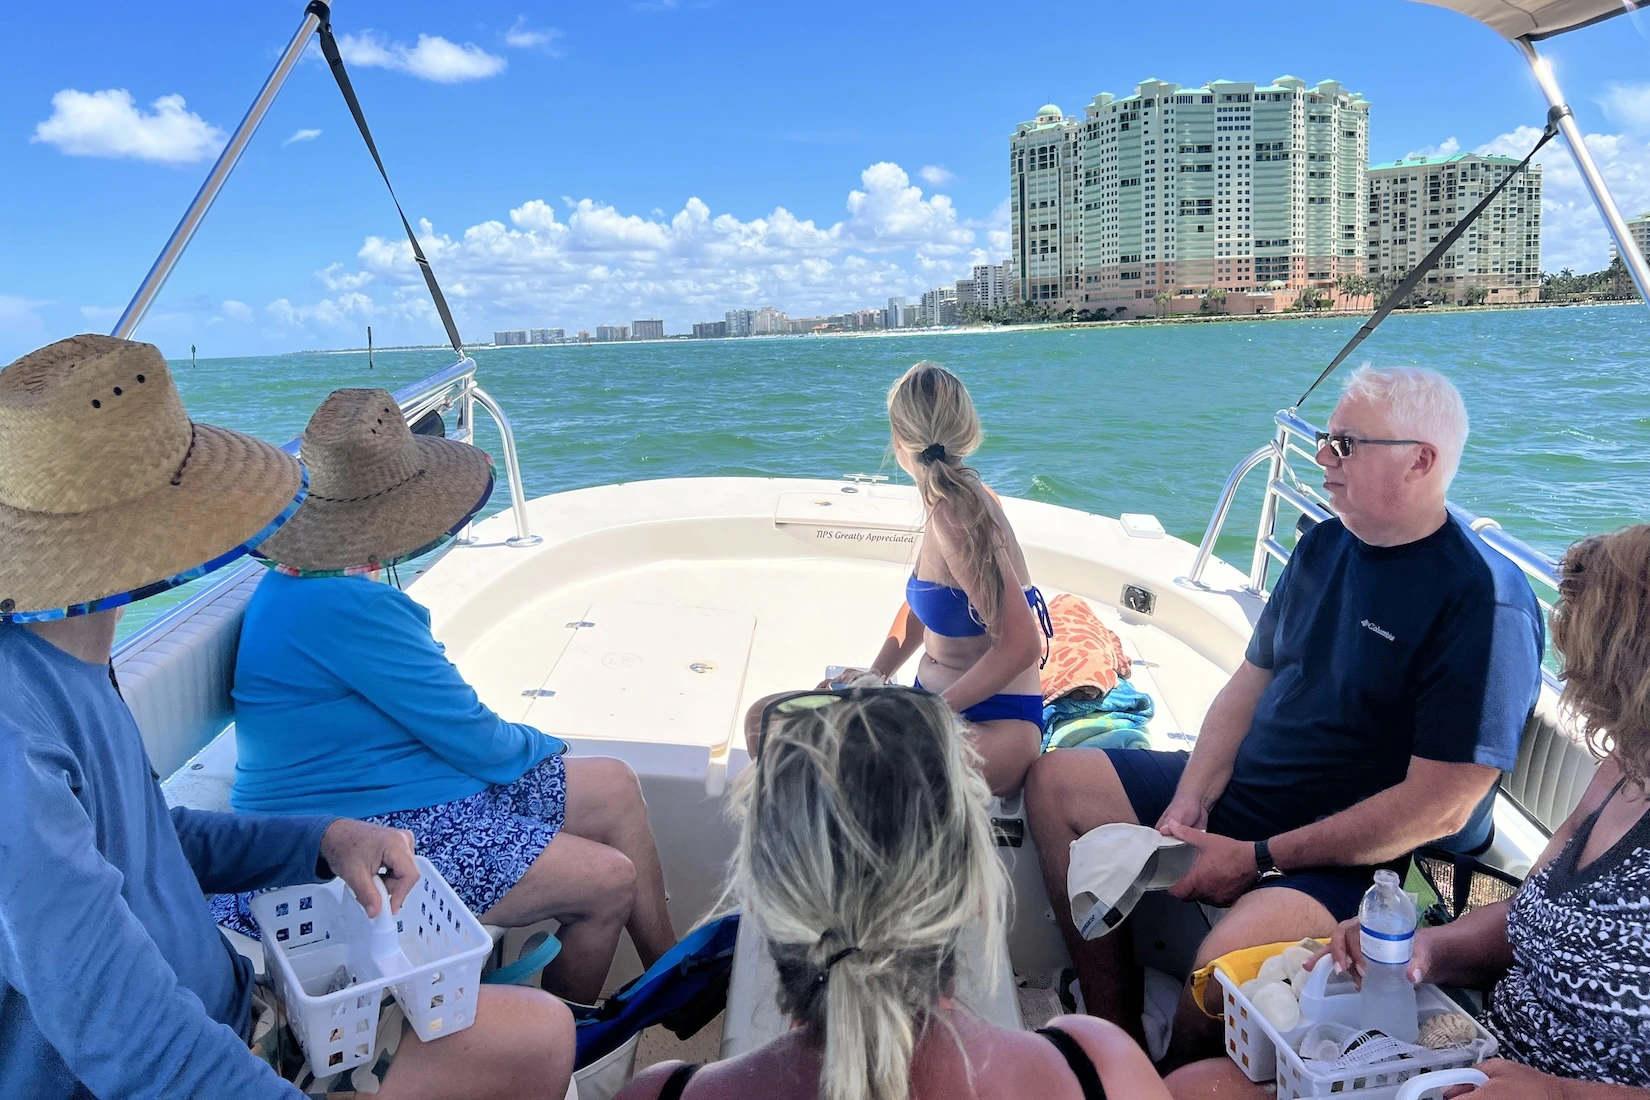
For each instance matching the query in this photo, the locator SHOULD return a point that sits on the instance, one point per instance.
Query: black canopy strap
(329, 50)
(1414, 277)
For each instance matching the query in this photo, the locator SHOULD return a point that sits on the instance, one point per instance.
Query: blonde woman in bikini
(970, 603)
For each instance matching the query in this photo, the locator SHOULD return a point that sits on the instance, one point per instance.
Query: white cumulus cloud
(301, 135)
(109, 123)
(1446, 148)
(235, 311)
(522, 37)
(891, 213)
(937, 175)
(1628, 104)
(578, 262)
(430, 58)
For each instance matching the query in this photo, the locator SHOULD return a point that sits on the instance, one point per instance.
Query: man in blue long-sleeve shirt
(113, 980)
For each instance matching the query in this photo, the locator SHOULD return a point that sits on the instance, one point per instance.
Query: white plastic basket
(310, 931)
(1265, 1054)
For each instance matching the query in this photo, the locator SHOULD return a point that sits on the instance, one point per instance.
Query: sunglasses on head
(787, 706)
(1343, 445)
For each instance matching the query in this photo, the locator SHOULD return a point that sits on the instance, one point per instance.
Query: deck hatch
(657, 673)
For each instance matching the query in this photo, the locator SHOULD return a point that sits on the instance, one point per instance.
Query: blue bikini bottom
(1026, 708)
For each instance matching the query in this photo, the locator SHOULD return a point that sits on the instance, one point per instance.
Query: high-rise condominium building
(739, 321)
(605, 333)
(1045, 206)
(1235, 185)
(989, 288)
(647, 330)
(1414, 203)
(710, 330)
(510, 336)
(548, 336)
(1639, 227)
(939, 306)
(769, 321)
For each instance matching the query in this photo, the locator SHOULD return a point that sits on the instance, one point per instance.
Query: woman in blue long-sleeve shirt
(345, 703)
(113, 979)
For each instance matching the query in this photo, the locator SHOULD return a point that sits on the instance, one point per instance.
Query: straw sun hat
(378, 494)
(109, 493)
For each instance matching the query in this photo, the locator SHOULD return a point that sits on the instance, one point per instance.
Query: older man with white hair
(1384, 691)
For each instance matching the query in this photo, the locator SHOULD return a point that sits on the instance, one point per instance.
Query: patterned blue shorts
(482, 844)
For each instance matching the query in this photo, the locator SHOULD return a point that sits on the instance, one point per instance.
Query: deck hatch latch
(540, 693)
(579, 624)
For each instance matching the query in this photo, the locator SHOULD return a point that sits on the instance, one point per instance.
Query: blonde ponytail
(864, 851)
(933, 419)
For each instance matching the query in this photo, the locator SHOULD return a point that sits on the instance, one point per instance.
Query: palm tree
(1162, 300)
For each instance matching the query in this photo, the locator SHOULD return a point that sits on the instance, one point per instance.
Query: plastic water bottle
(1387, 919)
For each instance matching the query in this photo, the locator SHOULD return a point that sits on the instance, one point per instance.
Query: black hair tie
(825, 971)
(934, 452)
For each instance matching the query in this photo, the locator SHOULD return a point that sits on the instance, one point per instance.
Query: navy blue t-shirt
(1430, 649)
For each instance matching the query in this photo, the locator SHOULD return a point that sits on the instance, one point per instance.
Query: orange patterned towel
(1084, 654)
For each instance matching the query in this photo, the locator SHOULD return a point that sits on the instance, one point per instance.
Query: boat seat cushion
(1554, 767)
(177, 683)
(753, 1018)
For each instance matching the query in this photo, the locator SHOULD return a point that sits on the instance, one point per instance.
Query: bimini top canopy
(1536, 19)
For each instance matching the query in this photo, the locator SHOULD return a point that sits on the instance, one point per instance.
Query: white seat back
(176, 676)
(985, 986)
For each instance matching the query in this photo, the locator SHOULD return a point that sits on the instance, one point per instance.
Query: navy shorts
(1149, 779)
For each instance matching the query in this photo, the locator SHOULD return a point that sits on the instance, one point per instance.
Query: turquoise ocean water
(1108, 420)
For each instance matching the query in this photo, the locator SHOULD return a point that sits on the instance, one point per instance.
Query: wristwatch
(1264, 866)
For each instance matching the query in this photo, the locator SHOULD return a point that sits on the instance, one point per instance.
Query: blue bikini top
(947, 611)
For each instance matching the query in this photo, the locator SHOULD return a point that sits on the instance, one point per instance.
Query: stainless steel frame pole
(512, 469)
(215, 180)
(1268, 511)
(1606, 203)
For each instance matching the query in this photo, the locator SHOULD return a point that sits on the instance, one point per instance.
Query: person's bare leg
(1008, 747)
(1214, 1079)
(605, 804)
(1273, 915)
(521, 1045)
(590, 889)
(1068, 793)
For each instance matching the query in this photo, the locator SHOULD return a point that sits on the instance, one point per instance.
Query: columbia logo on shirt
(1367, 625)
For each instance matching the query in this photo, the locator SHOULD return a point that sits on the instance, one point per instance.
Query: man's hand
(1184, 810)
(1511, 1081)
(1224, 871)
(356, 851)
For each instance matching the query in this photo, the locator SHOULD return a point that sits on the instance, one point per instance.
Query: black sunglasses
(787, 706)
(1344, 445)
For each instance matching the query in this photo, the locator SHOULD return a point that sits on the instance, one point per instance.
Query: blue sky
(581, 164)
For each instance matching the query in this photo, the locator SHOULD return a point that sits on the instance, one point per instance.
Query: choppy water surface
(1108, 420)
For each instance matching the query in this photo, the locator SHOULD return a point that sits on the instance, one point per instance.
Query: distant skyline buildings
(1243, 186)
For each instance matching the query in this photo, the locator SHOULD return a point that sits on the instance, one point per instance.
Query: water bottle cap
(1386, 878)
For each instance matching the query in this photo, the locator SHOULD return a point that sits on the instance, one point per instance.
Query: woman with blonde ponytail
(864, 852)
(970, 604)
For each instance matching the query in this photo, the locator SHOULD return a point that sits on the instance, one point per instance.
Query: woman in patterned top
(1570, 953)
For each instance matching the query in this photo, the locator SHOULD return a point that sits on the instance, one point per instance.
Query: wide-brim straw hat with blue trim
(378, 494)
(110, 493)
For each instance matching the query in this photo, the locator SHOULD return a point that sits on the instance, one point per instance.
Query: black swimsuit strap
(677, 1082)
(1078, 1059)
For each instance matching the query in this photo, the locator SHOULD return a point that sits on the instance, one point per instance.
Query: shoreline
(986, 327)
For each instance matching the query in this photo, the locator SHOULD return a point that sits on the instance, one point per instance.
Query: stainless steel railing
(1296, 439)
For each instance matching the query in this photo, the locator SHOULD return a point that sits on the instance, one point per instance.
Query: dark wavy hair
(1601, 628)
